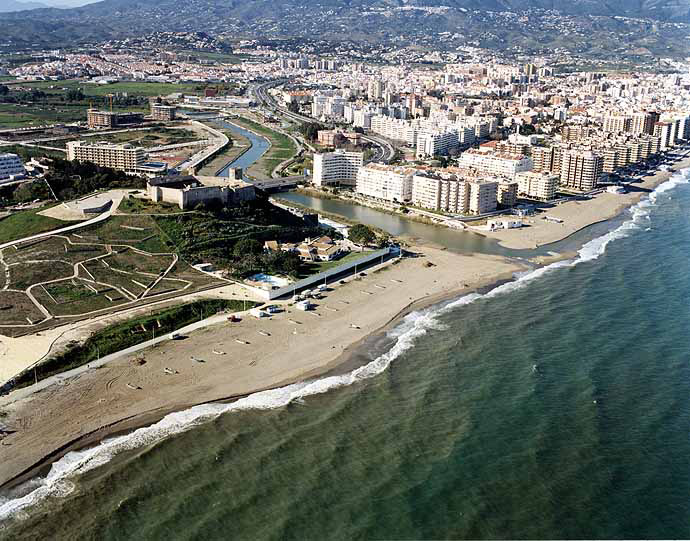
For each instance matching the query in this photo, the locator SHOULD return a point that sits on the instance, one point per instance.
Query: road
(384, 151)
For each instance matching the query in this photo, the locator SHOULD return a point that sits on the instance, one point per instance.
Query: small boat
(218, 352)
(234, 319)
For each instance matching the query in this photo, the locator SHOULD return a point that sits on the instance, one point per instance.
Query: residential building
(580, 170)
(436, 143)
(163, 112)
(444, 193)
(537, 185)
(124, 157)
(109, 119)
(500, 164)
(482, 196)
(386, 182)
(11, 166)
(338, 167)
(506, 194)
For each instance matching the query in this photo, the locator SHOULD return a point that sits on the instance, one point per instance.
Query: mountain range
(7, 6)
(647, 26)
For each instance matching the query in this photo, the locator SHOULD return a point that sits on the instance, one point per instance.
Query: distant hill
(13, 5)
(574, 25)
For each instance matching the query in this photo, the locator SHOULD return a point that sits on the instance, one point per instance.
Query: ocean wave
(57, 482)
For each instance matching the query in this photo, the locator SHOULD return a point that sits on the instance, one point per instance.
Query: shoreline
(15, 470)
(93, 405)
(344, 364)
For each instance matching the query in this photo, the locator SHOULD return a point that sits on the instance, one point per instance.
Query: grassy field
(26, 223)
(14, 115)
(133, 88)
(123, 335)
(145, 138)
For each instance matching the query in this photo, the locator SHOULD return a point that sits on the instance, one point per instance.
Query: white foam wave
(414, 325)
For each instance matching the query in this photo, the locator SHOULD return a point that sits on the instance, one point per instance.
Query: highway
(384, 151)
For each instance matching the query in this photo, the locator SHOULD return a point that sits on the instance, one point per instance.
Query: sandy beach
(231, 359)
(577, 215)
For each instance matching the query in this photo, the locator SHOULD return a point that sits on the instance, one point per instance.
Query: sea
(556, 405)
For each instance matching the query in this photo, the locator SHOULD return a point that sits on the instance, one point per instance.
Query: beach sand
(237, 358)
(577, 215)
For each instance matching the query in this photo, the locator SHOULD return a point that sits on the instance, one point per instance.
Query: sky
(12, 5)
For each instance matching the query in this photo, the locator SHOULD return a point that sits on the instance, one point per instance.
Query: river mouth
(462, 242)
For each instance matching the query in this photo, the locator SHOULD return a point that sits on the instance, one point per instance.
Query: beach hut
(303, 305)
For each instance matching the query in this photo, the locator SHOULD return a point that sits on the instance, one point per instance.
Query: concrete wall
(318, 279)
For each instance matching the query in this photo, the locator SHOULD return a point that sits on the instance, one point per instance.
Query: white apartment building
(664, 130)
(124, 157)
(454, 195)
(580, 170)
(447, 194)
(339, 167)
(483, 196)
(438, 143)
(386, 182)
(501, 164)
(11, 166)
(395, 128)
(540, 186)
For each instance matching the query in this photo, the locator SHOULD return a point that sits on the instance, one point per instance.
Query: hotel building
(386, 182)
(338, 167)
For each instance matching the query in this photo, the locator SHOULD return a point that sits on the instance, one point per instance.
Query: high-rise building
(580, 170)
(447, 194)
(109, 119)
(501, 164)
(339, 167)
(507, 194)
(483, 196)
(664, 130)
(617, 124)
(386, 182)
(643, 122)
(10, 166)
(540, 186)
(125, 157)
(375, 89)
(436, 143)
(163, 112)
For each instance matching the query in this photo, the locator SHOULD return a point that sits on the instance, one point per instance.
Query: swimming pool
(269, 280)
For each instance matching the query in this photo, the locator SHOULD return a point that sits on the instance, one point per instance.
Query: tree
(361, 234)
(247, 247)
(293, 107)
(74, 94)
(310, 130)
(4, 90)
